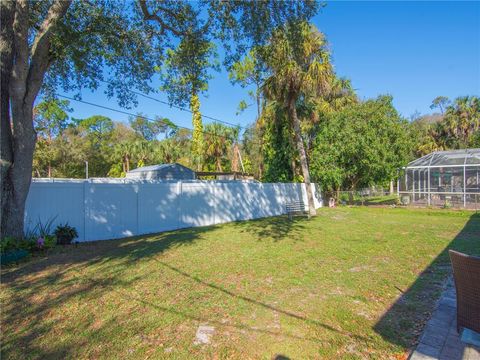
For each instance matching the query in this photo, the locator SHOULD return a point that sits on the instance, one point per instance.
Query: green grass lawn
(350, 283)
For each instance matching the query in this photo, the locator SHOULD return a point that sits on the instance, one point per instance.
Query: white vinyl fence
(108, 209)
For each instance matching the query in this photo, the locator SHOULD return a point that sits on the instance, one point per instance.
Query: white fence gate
(108, 209)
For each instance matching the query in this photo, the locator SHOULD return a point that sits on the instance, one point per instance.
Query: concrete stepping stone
(204, 335)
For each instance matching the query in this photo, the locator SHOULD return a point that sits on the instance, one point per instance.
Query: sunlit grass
(330, 287)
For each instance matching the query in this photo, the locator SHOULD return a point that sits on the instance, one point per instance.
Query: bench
(295, 207)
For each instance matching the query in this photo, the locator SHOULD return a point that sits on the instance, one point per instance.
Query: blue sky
(414, 51)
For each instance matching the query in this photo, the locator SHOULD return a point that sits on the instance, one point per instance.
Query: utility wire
(185, 109)
(176, 106)
(141, 116)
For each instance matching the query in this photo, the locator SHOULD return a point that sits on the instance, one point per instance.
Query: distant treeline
(355, 145)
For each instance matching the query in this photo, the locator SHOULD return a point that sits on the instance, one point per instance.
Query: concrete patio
(440, 339)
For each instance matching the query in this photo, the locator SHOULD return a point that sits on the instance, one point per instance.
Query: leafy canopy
(361, 145)
(150, 130)
(297, 62)
(50, 117)
(125, 43)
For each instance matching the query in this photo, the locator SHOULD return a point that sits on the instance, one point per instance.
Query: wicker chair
(466, 273)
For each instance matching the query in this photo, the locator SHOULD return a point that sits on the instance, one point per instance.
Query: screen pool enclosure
(442, 178)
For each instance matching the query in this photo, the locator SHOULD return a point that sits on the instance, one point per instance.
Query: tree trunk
(23, 69)
(351, 194)
(303, 156)
(23, 137)
(17, 182)
(235, 158)
(6, 141)
(294, 168)
(258, 102)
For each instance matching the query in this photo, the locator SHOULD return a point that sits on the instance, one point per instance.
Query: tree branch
(7, 13)
(20, 33)
(154, 17)
(41, 47)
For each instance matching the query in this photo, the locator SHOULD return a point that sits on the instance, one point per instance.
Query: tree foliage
(219, 146)
(458, 127)
(151, 130)
(440, 102)
(364, 144)
(197, 136)
(278, 152)
(51, 117)
(70, 45)
(249, 72)
(112, 148)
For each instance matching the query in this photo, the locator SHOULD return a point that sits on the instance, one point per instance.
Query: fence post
(85, 208)
(464, 185)
(180, 203)
(136, 188)
(428, 200)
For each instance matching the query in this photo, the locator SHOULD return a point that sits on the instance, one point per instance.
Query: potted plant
(65, 234)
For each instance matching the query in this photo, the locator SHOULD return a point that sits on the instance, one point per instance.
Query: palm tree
(218, 140)
(299, 65)
(142, 151)
(167, 151)
(462, 118)
(235, 157)
(124, 151)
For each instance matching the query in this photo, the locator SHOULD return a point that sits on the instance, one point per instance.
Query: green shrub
(65, 234)
(343, 197)
(50, 241)
(41, 229)
(28, 244)
(11, 244)
(8, 244)
(447, 204)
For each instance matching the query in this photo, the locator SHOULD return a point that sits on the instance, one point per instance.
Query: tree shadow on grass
(64, 273)
(117, 288)
(276, 228)
(257, 302)
(30, 302)
(94, 252)
(403, 322)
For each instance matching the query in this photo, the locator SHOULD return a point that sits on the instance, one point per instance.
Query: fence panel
(158, 207)
(197, 204)
(112, 209)
(234, 201)
(62, 201)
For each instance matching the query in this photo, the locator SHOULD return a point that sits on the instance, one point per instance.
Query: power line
(185, 109)
(177, 106)
(140, 116)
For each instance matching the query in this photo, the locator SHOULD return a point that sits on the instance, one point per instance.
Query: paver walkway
(440, 339)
